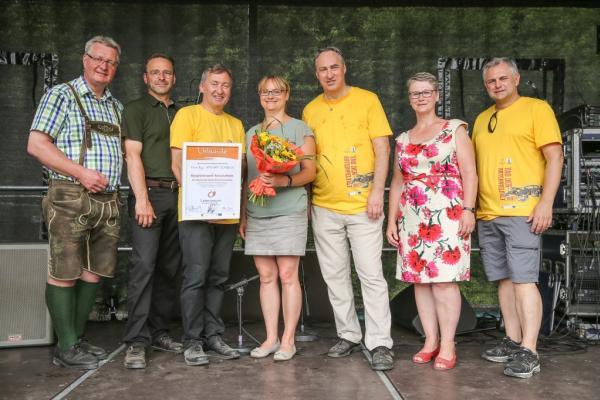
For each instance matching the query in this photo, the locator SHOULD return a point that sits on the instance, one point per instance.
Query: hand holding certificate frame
(211, 181)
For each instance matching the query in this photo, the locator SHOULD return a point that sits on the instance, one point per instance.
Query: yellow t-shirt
(510, 163)
(343, 131)
(196, 124)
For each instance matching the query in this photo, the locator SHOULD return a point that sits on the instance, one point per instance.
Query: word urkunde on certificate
(211, 181)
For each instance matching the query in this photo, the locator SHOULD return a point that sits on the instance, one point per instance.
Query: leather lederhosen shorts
(83, 230)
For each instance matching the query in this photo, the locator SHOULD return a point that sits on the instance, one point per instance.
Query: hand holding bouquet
(273, 154)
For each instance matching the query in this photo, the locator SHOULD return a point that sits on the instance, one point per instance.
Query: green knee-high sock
(61, 305)
(86, 297)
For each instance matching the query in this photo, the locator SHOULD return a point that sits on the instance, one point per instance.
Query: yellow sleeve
(305, 116)
(378, 123)
(242, 136)
(182, 128)
(545, 126)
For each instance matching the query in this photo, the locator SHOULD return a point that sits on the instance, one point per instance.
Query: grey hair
(106, 41)
(511, 63)
(216, 69)
(330, 48)
(423, 77)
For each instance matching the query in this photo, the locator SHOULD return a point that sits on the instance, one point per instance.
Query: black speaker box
(404, 313)
(315, 290)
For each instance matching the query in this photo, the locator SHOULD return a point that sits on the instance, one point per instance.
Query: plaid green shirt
(58, 116)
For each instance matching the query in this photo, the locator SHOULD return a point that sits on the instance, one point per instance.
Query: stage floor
(27, 373)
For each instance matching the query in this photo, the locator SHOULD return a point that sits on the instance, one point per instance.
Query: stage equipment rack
(580, 190)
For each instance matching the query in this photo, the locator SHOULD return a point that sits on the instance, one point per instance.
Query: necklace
(274, 122)
(327, 99)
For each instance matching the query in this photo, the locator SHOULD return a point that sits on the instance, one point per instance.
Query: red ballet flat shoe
(424, 357)
(441, 364)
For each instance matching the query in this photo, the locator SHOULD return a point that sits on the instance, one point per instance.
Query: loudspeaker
(24, 318)
(242, 267)
(404, 313)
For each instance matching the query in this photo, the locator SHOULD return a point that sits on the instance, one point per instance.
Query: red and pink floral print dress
(430, 249)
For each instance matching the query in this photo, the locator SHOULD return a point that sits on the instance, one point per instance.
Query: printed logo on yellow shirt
(511, 196)
(353, 178)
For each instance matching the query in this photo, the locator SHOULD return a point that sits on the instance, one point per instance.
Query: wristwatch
(472, 209)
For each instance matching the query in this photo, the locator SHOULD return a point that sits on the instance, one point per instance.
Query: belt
(162, 183)
(64, 182)
(423, 179)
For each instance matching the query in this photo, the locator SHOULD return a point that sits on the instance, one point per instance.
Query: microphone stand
(241, 348)
(303, 335)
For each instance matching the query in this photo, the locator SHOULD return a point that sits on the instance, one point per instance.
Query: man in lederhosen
(75, 133)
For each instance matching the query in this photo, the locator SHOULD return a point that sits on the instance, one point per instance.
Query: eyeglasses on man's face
(274, 92)
(425, 93)
(493, 122)
(101, 60)
(156, 72)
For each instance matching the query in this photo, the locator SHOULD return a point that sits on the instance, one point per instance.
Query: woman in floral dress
(431, 217)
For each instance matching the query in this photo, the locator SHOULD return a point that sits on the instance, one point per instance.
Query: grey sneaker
(524, 364)
(216, 344)
(166, 343)
(74, 357)
(195, 355)
(86, 346)
(135, 357)
(382, 359)
(503, 351)
(343, 348)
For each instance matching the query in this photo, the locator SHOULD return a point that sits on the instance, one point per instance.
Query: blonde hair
(277, 80)
(423, 77)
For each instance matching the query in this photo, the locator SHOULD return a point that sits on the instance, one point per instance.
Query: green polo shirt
(147, 120)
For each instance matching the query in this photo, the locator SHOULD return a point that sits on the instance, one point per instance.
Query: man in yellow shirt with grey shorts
(519, 162)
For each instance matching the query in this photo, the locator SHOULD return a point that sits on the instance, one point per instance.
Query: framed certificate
(211, 181)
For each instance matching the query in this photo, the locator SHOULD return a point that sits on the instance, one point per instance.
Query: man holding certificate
(206, 244)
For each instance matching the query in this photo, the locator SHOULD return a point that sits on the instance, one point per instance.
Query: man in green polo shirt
(153, 214)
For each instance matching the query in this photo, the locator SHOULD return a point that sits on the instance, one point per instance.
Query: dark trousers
(206, 250)
(155, 259)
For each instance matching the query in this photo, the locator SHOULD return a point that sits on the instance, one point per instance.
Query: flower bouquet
(272, 154)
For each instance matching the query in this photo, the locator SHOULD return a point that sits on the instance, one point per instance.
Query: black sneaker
(135, 356)
(86, 346)
(503, 351)
(524, 364)
(343, 348)
(166, 343)
(194, 354)
(382, 359)
(74, 357)
(216, 344)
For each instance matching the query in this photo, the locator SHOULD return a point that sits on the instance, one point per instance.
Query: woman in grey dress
(276, 233)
